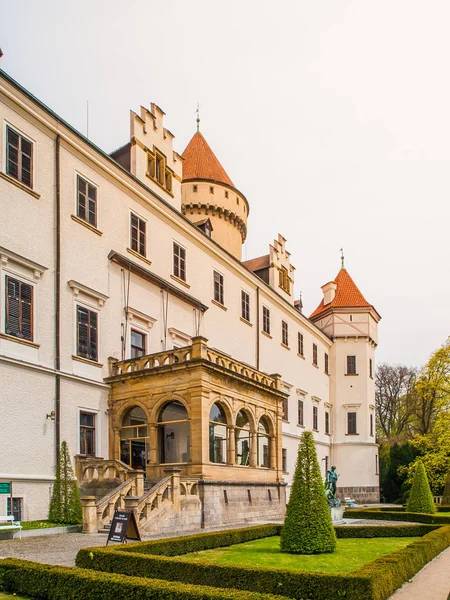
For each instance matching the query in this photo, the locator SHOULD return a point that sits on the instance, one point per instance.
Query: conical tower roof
(347, 295)
(200, 162)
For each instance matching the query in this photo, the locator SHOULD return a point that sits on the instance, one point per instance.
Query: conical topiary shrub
(65, 505)
(420, 498)
(307, 528)
(446, 495)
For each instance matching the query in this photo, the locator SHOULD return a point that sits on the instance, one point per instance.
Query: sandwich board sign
(123, 527)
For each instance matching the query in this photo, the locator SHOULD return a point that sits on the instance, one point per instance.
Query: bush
(369, 531)
(65, 505)
(307, 527)
(362, 584)
(421, 498)
(377, 515)
(446, 493)
(47, 581)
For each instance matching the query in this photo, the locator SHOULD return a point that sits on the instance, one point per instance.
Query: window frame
(19, 178)
(266, 319)
(300, 344)
(144, 339)
(220, 289)
(351, 365)
(284, 333)
(21, 283)
(301, 412)
(315, 417)
(326, 363)
(88, 182)
(179, 262)
(92, 428)
(245, 306)
(327, 422)
(352, 421)
(139, 241)
(283, 280)
(371, 425)
(284, 460)
(89, 309)
(315, 358)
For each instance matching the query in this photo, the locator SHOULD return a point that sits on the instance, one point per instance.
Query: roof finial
(342, 258)
(198, 116)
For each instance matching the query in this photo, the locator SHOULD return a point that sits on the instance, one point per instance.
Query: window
(301, 413)
(284, 333)
(370, 368)
(315, 418)
(284, 460)
(371, 424)
(218, 434)
(283, 279)
(376, 464)
(211, 189)
(242, 439)
(226, 194)
(86, 201)
(218, 287)
(351, 365)
(315, 354)
(285, 415)
(151, 165)
(16, 509)
(87, 333)
(19, 309)
(266, 320)
(179, 261)
(137, 343)
(351, 423)
(87, 434)
(195, 189)
(326, 364)
(263, 443)
(159, 169)
(19, 157)
(138, 234)
(174, 433)
(168, 180)
(327, 422)
(245, 305)
(300, 343)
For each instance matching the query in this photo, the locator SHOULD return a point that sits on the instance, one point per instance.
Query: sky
(332, 117)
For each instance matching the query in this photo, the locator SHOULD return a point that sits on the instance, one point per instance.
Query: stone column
(272, 452)
(253, 449)
(131, 503)
(90, 524)
(153, 430)
(139, 484)
(231, 446)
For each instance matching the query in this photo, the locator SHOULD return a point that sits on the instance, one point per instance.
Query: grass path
(350, 554)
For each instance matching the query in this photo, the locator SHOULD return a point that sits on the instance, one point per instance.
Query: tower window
(371, 424)
(237, 200)
(195, 189)
(226, 194)
(370, 368)
(211, 189)
(351, 423)
(351, 365)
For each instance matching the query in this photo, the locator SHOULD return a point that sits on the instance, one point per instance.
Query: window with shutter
(138, 227)
(179, 261)
(86, 201)
(19, 309)
(218, 287)
(19, 157)
(87, 333)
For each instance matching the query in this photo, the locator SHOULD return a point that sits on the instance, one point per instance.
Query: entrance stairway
(171, 503)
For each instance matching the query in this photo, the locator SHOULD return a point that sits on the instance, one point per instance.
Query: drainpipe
(57, 300)
(257, 328)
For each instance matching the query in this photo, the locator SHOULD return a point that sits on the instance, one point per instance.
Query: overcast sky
(332, 117)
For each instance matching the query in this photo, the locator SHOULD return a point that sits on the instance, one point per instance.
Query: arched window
(134, 440)
(242, 439)
(263, 443)
(218, 435)
(174, 433)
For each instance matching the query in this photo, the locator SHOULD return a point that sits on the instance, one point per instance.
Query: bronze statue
(331, 487)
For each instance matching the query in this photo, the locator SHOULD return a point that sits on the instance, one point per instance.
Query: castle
(131, 328)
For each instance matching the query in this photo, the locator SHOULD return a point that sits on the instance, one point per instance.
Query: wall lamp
(51, 416)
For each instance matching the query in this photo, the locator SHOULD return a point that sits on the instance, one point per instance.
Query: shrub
(421, 499)
(307, 527)
(378, 515)
(375, 581)
(47, 581)
(65, 505)
(369, 531)
(446, 494)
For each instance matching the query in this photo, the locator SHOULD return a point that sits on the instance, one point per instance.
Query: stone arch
(269, 421)
(159, 405)
(128, 405)
(224, 403)
(249, 411)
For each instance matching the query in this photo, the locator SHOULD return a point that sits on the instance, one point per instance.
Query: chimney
(329, 292)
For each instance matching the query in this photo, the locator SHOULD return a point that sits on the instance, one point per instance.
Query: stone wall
(361, 495)
(230, 503)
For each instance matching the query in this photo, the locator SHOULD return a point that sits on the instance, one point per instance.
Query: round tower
(207, 193)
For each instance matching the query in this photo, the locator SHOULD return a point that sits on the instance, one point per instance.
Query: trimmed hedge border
(378, 514)
(369, 531)
(439, 508)
(60, 583)
(375, 581)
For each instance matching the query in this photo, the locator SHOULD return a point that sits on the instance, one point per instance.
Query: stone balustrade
(99, 469)
(197, 351)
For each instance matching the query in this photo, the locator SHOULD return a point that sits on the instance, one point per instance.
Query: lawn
(350, 554)
(39, 525)
(3, 596)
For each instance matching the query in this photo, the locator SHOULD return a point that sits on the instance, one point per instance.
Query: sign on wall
(5, 487)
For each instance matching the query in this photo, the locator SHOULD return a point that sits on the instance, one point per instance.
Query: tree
(432, 390)
(394, 464)
(446, 494)
(420, 499)
(394, 389)
(65, 505)
(307, 527)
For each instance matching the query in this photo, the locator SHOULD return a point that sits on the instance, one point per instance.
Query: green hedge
(362, 584)
(60, 583)
(371, 531)
(383, 515)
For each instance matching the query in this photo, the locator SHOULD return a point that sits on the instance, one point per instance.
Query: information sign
(123, 527)
(5, 487)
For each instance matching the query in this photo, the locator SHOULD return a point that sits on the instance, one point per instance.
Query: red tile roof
(255, 264)
(200, 162)
(347, 295)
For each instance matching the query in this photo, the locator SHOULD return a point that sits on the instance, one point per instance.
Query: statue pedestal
(336, 514)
